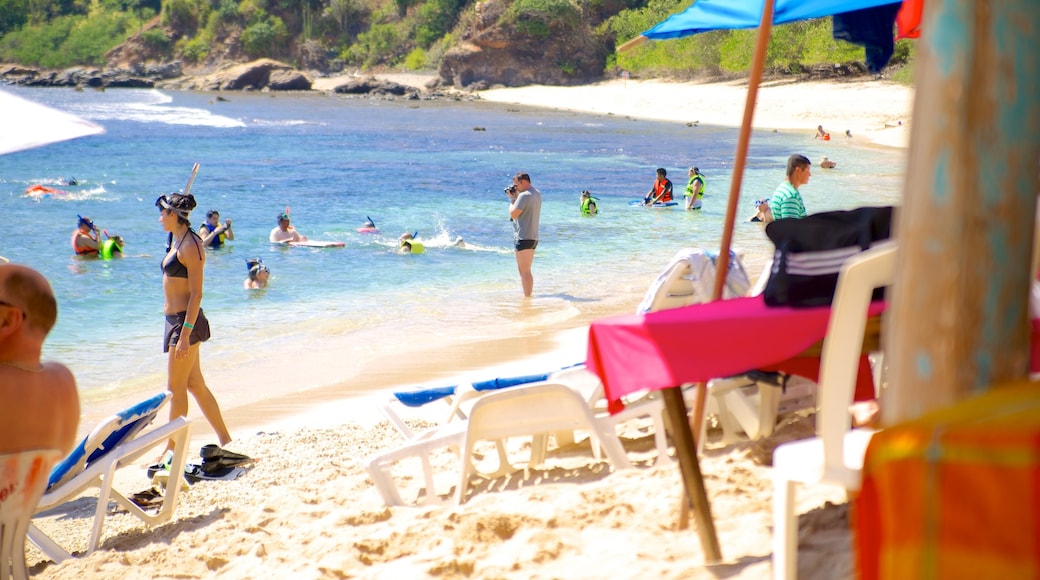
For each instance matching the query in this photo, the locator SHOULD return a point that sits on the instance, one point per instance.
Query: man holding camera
(525, 209)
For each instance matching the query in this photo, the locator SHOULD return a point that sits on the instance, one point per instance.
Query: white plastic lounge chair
(835, 455)
(117, 442)
(23, 476)
(532, 410)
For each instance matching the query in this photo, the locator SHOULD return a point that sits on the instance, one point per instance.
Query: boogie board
(318, 244)
(660, 204)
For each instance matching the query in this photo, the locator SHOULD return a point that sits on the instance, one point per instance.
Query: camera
(510, 190)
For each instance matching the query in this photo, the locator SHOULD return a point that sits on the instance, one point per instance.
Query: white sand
(308, 509)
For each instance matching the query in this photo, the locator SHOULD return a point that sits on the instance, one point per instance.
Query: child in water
(259, 274)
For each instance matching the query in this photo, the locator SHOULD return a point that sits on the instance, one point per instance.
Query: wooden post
(959, 315)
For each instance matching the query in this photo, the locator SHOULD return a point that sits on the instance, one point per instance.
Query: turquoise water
(433, 167)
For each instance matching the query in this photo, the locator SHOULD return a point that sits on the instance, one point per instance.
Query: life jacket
(588, 206)
(661, 186)
(689, 186)
(109, 247)
(217, 241)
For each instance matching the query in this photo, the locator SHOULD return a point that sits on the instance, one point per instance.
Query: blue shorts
(526, 244)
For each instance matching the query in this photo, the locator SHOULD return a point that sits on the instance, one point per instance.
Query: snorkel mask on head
(163, 202)
(255, 266)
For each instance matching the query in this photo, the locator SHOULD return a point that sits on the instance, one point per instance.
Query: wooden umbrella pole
(758, 63)
(686, 447)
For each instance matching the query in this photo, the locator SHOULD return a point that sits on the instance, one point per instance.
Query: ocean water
(435, 167)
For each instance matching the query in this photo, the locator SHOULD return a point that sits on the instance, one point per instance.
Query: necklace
(21, 367)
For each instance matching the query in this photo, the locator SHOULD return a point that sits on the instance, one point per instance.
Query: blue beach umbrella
(707, 15)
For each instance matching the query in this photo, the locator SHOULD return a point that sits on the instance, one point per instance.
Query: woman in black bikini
(182, 286)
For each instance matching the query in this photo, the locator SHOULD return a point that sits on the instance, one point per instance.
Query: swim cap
(283, 217)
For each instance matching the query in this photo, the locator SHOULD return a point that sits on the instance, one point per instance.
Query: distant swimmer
(821, 134)
(85, 240)
(827, 163)
(661, 191)
(259, 274)
(848, 133)
(694, 189)
(111, 248)
(409, 245)
(588, 203)
(763, 213)
(369, 227)
(284, 231)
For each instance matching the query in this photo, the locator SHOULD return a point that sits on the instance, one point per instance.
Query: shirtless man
(285, 232)
(39, 405)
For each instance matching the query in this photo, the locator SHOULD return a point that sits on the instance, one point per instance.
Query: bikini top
(173, 267)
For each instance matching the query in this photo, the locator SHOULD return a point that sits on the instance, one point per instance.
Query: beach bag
(810, 252)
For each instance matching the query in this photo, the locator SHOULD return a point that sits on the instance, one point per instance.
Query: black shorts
(526, 244)
(174, 325)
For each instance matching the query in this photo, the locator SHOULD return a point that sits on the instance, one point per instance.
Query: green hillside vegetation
(333, 35)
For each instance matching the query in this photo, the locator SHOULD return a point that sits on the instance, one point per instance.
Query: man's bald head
(27, 290)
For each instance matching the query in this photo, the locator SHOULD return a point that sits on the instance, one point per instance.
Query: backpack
(810, 251)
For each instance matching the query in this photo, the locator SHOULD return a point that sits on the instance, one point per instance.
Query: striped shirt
(787, 202)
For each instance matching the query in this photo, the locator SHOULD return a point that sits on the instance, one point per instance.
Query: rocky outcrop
(494, 51)
(84, 77)
(262, 74)
(375, 87)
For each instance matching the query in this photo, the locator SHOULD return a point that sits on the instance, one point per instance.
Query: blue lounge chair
(117, 442)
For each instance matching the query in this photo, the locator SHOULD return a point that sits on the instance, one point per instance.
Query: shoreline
(877, 112)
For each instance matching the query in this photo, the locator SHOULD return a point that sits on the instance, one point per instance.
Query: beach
(307, 509)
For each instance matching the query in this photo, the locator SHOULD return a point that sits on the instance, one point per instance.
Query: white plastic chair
(835, 455)
(23, 477)
(532, 410)
(117, 442)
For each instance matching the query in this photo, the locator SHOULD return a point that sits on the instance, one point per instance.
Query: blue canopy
(707, 15)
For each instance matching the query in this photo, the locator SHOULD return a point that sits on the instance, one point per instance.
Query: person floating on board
(410, 245)
(259, 274)
(213, 232)
(588, 203)
(694, 189)
(285, 232)
(369, 227)
(111, 248)
(85, 241)
(661, 192)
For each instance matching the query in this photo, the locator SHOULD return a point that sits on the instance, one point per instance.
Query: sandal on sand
(211, 451)
(220, 463)
(149, 498)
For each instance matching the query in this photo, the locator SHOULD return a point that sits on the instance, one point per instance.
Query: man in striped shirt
(786, 201)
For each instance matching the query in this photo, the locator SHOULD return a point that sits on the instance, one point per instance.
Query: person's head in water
(259, 273)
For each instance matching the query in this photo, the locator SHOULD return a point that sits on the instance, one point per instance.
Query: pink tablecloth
(700, 342)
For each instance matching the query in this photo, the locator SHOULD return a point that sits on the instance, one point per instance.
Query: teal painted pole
(959, 321)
